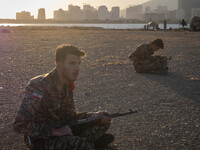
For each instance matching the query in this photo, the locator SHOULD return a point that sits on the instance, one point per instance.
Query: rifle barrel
(122, 114)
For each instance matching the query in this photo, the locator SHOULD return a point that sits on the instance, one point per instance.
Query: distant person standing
(145, 62)
(183, 23)
(165, 24)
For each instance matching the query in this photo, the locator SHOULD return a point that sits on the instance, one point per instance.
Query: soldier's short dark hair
(159, 43)
(63, 50)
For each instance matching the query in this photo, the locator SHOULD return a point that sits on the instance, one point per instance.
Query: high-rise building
(75, 12)
(24, 15)
(114, 14)
(61, 15)
(88, 7)
(171, 15)
(103, 13)
(180, 14)
(123, 13)
(134, 12)
(195, 12)
(187, 6)
(162, 9)
(148, 9)
(89, 12)
(41, 14)
(154, 16)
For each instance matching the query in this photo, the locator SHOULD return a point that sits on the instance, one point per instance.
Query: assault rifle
(82, 122)
(94, 119)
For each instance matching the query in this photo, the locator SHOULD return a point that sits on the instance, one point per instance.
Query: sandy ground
(169, 115)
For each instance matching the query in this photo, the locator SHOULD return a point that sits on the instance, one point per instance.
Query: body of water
(104, 26)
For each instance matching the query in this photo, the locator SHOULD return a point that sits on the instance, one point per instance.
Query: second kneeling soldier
(144, 60)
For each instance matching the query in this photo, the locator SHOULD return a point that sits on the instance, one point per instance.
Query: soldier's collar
(56, 79)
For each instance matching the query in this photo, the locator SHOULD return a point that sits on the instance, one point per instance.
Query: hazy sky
(8, 8)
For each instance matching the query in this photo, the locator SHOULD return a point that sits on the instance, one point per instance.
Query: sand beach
(168, 107)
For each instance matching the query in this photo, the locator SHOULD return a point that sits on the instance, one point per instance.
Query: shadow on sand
(181, 85)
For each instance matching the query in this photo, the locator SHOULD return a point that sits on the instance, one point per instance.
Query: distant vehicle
(152, 25)
(195, 24)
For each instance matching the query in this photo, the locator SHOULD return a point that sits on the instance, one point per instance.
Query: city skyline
(89, 13)
(8, 8)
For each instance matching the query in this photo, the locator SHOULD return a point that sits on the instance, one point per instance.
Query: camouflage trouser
(83, 139)
(156, 63)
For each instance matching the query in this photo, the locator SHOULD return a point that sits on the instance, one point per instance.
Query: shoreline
(88, 28)
(49, 21)
(123, 26)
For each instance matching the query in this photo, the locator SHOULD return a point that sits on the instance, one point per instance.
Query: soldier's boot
(103, 141)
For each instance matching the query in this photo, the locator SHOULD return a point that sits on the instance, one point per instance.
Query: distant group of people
(49, 102)
(155, 26)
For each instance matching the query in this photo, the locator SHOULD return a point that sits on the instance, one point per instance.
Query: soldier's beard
(64, 74)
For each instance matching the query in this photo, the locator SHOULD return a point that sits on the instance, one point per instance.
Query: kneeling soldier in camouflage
(144, 62)
(49, 102)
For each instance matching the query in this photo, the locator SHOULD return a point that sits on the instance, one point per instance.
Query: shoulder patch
(37, 95)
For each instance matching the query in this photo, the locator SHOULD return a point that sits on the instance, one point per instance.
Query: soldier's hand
(105, 119)
(102, 113)
(65, 130)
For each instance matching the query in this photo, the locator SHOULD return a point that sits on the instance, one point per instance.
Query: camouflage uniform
(142, 53)
(46, 105)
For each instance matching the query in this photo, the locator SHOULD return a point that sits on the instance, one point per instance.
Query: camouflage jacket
(140, 53)
(45, 104)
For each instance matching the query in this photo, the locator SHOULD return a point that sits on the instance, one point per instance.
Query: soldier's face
(71, 67)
